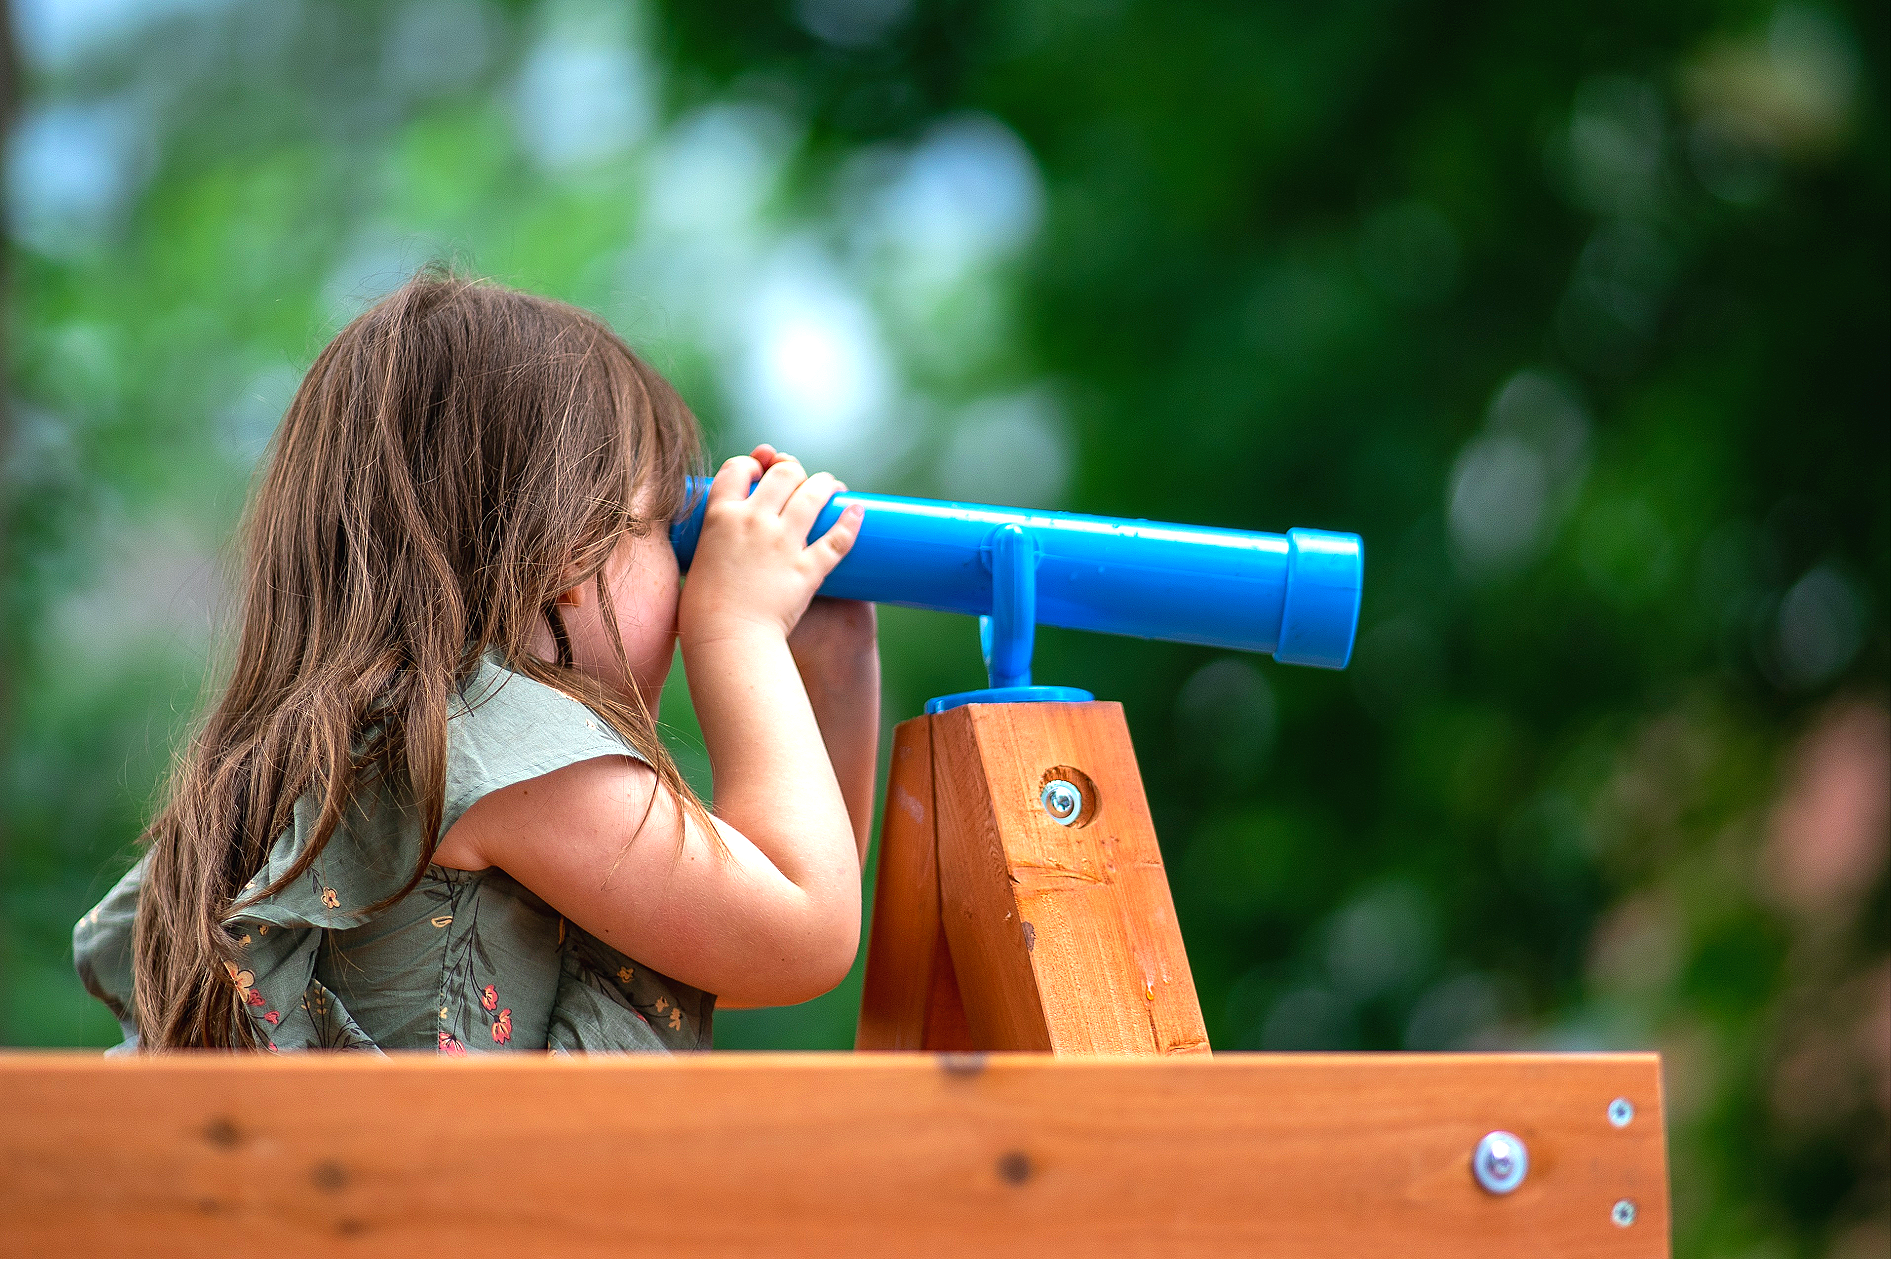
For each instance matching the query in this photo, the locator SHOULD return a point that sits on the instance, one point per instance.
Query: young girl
(431, 810)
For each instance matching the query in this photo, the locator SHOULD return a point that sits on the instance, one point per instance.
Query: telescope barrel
(1295, 595)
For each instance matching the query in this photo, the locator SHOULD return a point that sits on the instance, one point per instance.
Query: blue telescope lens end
(1320, 613)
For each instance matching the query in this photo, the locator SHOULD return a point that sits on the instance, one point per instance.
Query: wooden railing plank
(824, 1155)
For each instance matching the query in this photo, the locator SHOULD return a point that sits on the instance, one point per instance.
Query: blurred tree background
(1577, 312)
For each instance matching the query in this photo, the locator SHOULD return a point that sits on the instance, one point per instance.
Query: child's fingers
(764, 454)
(778, 483)
(805, 505)
(733, 479)
(833, 546)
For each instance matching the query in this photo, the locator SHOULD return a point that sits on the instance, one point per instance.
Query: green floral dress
(469, 961)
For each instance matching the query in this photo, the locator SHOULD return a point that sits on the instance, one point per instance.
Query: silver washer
(1623, 1214)
(1062, 801)
(1621, 1112)
(1500, 1162)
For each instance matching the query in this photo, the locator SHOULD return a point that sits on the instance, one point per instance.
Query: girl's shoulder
(504, 727)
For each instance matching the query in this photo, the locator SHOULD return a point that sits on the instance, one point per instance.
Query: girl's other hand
(753, 565)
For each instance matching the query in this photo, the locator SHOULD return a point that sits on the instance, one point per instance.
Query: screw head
(1623, 1214)
(1621, 1112)
(1062, 801)
(1500, 1162)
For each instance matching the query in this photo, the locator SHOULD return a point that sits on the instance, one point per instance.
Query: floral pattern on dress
(498, 981)
(469, 1015)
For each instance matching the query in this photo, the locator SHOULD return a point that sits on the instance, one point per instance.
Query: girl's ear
(573, 596)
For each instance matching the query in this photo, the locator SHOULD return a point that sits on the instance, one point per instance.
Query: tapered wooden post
(910, 1001)
(1057, 937)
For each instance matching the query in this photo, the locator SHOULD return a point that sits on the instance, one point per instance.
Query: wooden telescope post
(997, 927)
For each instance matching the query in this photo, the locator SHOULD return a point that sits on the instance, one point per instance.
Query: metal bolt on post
(1062, 801)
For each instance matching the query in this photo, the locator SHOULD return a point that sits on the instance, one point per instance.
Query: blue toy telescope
(1295, 596)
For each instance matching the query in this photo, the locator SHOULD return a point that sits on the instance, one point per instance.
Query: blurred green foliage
(1577, 313)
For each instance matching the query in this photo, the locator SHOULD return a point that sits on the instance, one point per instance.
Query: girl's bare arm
(836, 648)
(764, 909)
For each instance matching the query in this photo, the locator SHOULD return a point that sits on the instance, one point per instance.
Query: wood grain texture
(905, 935)
(1064, 938)
(910, 999)
(318, 1154)
(947, 1028)
(990, 956)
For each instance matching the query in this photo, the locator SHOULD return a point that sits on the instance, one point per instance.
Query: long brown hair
(448, 458)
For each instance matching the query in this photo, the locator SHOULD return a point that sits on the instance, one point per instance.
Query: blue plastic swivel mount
(1009, 632)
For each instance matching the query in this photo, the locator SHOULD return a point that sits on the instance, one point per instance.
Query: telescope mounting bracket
(1008, 633)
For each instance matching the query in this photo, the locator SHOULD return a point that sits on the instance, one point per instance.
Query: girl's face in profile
(642, 577)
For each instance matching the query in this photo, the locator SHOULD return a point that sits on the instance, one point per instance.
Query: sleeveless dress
(468, 962)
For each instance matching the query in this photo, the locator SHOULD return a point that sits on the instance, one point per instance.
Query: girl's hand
(753, 568)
